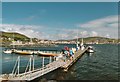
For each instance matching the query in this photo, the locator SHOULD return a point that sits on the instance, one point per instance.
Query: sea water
(101, 65)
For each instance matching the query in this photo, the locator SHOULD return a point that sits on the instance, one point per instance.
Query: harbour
(94, 60)
(33, 73)
(59, 41)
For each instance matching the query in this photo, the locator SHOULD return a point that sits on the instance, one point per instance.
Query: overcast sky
(61, 20)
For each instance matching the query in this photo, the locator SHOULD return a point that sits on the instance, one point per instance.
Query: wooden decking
(77, 55)
(38, 72)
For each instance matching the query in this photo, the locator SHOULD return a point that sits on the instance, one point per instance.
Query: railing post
(18, 65)
(30, 65)
(43, 62)
(15, 69)
(54, 58)
(33, 63)
(50, 59)
(30, 68)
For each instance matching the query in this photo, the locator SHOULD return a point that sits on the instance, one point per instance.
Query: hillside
(99, 39)
(7, 38)
(16, 36)
(94, 39)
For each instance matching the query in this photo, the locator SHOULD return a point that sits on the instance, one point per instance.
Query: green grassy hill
(9, 36)
(94, 39)
(16, 36)
(97, 38)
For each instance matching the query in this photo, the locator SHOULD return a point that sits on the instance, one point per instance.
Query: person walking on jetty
(66, 52)
(71, 54)
(64, 55)
(74, 50)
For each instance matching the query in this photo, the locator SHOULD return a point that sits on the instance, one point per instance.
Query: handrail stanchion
(33, 63)
(30, 68)
(18, 65)
(30, 65)
(50, 59)
(54, 58)
(15, 66)
(43, 62)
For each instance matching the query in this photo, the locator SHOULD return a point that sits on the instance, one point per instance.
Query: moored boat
(90, 49)
(46, 54)
(7, 51)
(23, 52)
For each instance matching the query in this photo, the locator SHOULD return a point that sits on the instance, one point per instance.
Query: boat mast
(82, 39)
(13, 41)
(82, 42)
(77, 38)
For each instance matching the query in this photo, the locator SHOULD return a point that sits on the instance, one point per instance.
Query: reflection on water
(89, 54)
(101, 65)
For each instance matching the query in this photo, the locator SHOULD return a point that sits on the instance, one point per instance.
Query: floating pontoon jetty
(31, 73)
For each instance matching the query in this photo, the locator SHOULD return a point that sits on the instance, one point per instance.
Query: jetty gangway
(31, 73)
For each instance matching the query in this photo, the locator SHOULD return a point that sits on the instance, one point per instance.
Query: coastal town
(8, 40)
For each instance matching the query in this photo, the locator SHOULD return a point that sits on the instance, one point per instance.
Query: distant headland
(13, 38)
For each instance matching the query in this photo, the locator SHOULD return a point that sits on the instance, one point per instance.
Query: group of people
(68, 53)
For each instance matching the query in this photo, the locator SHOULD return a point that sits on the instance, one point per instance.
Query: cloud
(94, 33)
(70, 33)
(28, 30)
(103, 22)
(107, 27)
(107, 35)
(102, 27)
(36, 31)
(84, 33)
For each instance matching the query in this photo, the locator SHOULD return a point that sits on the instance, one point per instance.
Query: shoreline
(47, 45)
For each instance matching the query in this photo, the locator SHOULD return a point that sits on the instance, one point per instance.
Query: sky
(60, 20)
(60, 0)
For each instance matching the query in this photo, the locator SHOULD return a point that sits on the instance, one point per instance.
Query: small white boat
(8, 51)
(24, 52)
(46, 54)
(90, 49)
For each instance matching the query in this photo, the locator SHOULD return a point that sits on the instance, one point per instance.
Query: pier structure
(31, 73)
